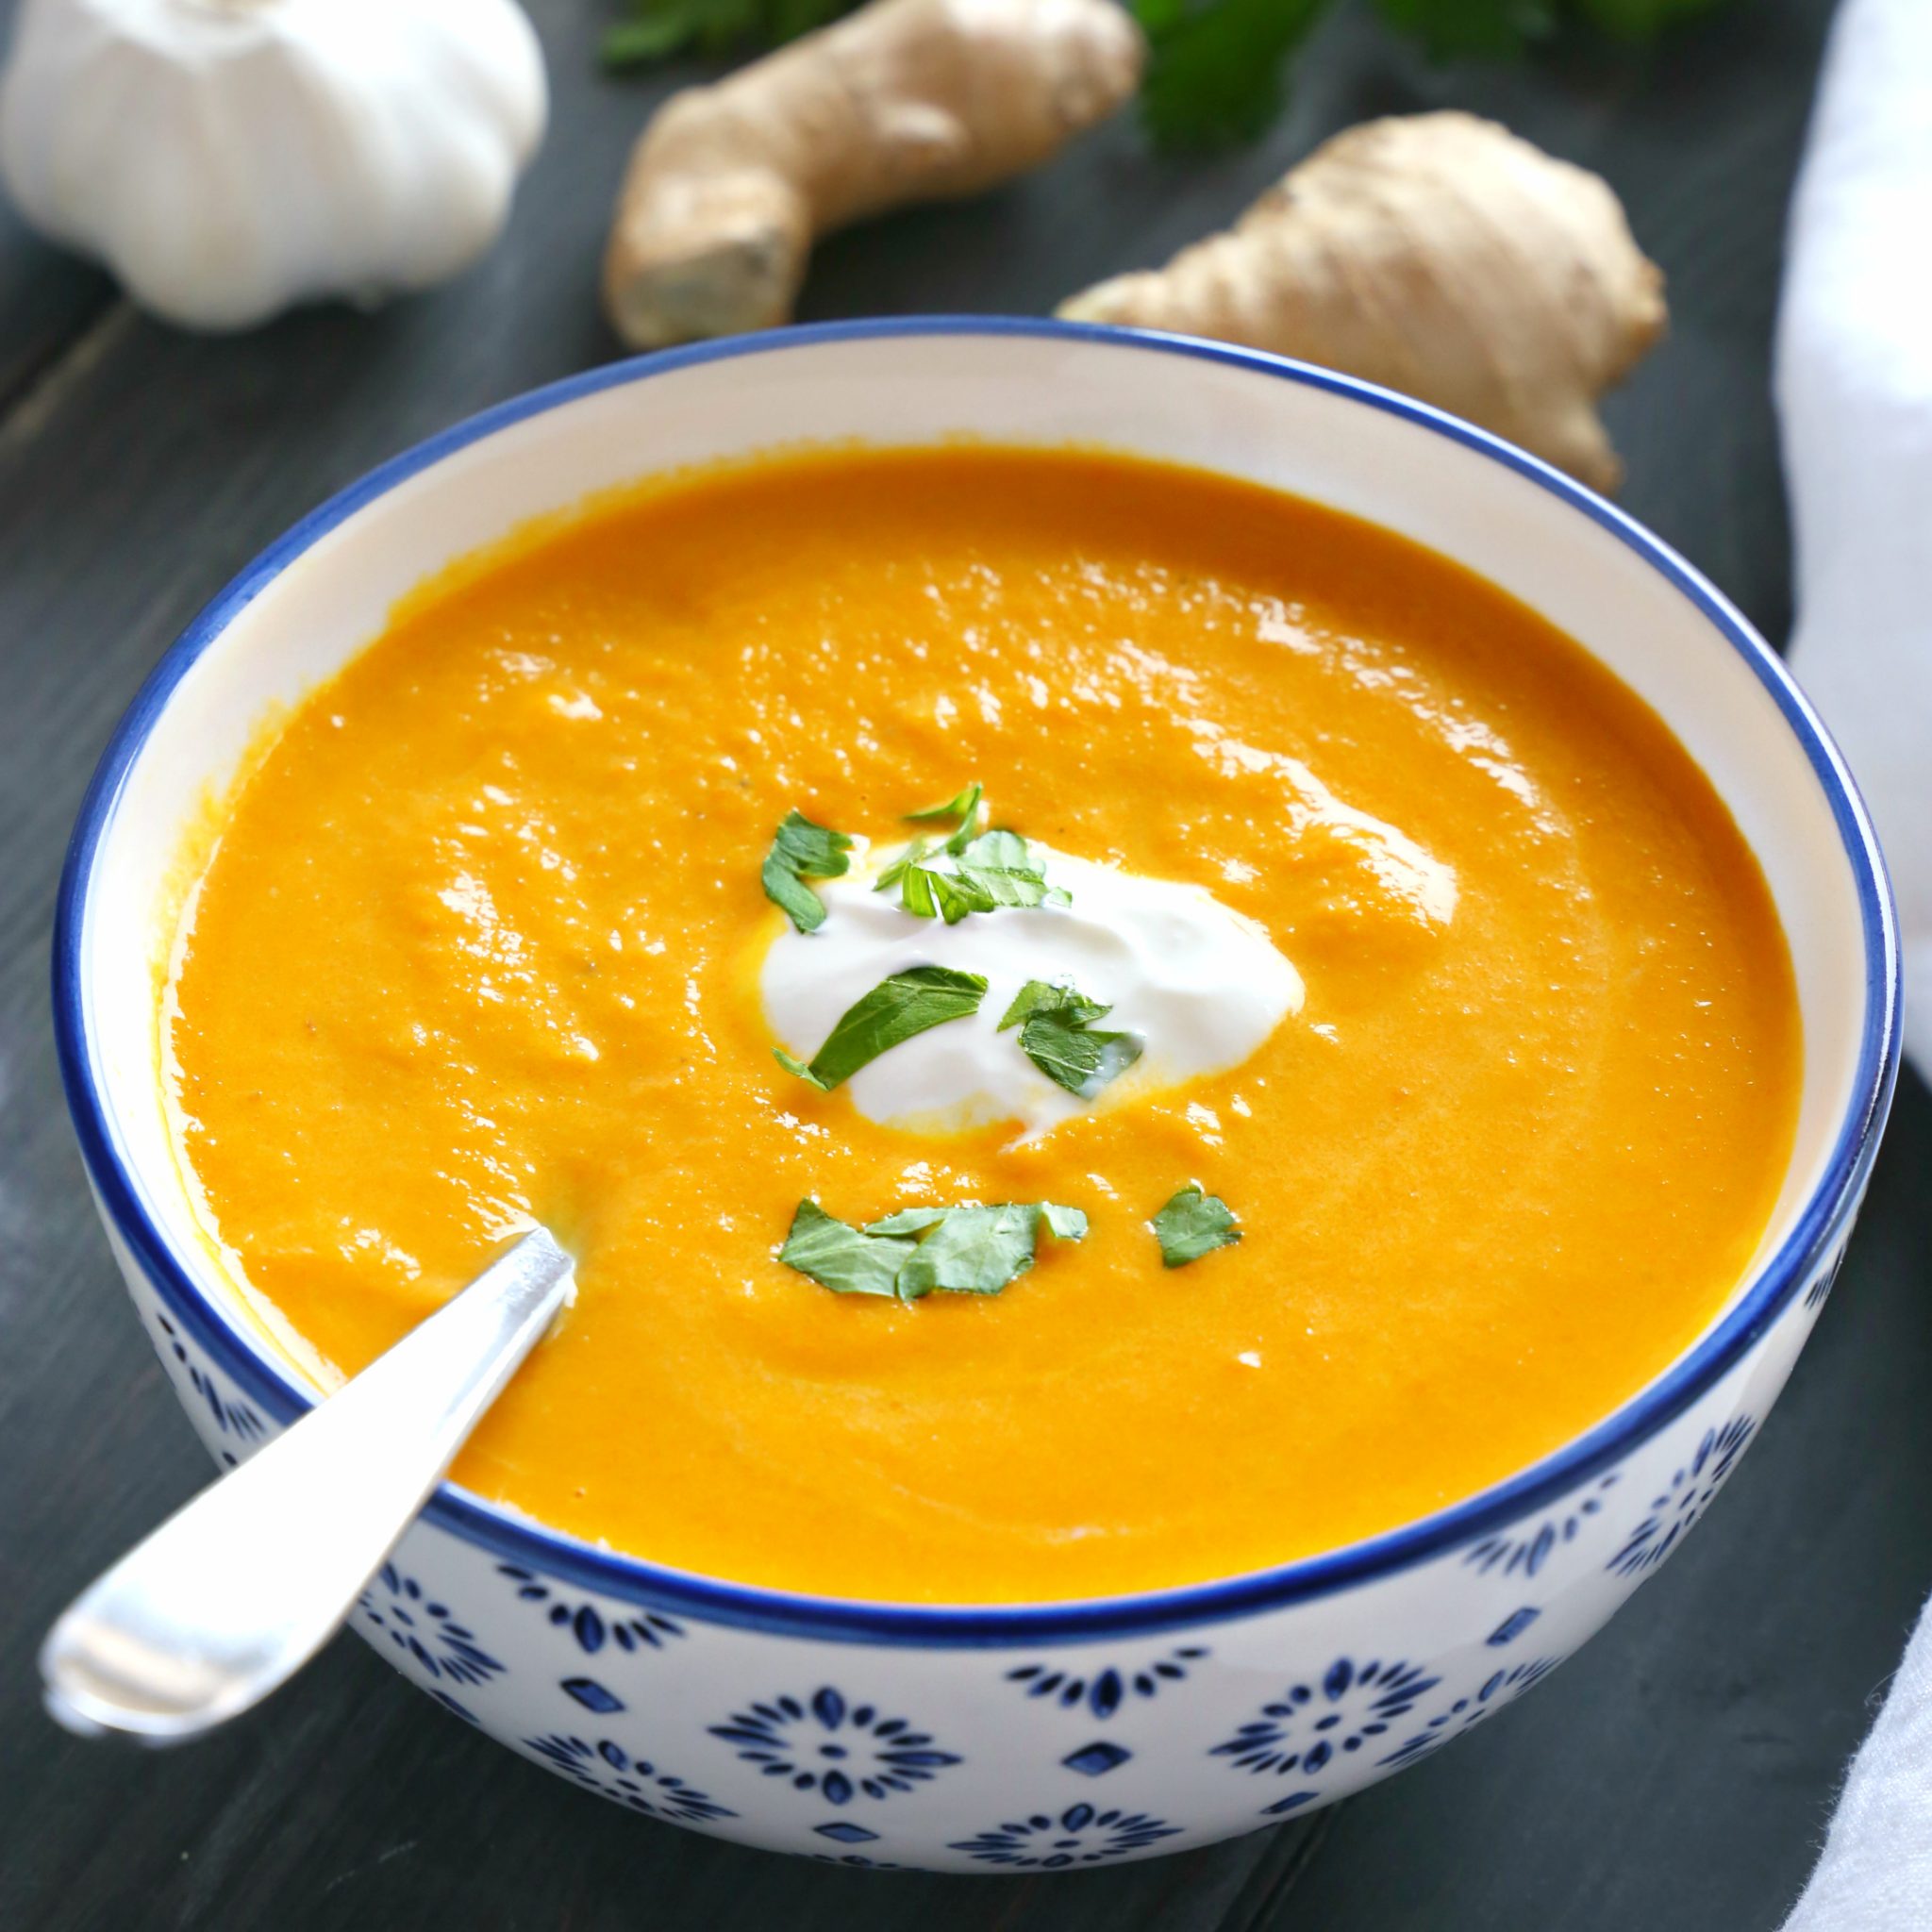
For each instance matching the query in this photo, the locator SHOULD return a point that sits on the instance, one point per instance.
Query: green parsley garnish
(803, 850)
(1218, 67)
(1215, 75)
(1192, 1225)
(840, 1257)
(963, 805)
(996, 869)
(966, 873)
(892, 1012)
(919, 1249)
(654, 30)
(1058, 1035)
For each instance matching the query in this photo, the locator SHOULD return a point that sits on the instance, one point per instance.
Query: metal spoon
(236, 1591)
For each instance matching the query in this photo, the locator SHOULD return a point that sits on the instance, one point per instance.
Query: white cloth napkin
(1854, 397)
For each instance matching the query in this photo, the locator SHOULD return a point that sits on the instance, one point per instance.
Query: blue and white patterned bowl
(1026, 1737)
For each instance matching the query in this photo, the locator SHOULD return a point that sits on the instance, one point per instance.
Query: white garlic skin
(227, 158)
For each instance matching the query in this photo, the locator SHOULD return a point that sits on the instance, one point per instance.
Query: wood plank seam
(1259, 1901)
(31, 400)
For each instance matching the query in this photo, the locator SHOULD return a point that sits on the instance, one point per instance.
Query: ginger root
(906, 100)
(1437, 254)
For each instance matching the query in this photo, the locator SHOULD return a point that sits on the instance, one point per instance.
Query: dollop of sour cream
(1201, 985)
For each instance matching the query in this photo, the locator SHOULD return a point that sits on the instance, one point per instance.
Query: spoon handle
(243, 1585)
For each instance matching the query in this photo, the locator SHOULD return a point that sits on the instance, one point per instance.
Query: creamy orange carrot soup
(1320, 1045)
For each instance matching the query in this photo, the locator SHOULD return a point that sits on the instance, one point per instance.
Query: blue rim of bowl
(520, 1540)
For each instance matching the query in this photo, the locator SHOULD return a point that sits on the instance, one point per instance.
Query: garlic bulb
(228, 157)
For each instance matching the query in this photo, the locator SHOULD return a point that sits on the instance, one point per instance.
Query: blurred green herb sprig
(656, 29)
(1219, 70)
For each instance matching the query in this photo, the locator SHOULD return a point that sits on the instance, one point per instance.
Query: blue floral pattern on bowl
(1080, 1834)
(1519, 1553)
(232, 1418)
(1828, 1276)
(609, 1768)
(1488, 1697)
(841, 1750)
(588, 1626)
(1105, 1690)
(428, 1631)
(1684, 1499)
(1309, 1725)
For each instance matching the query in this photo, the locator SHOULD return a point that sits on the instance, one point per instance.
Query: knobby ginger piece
(1437, 254)
(905, 101)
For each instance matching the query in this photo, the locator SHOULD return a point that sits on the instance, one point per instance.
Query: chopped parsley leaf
(1058, 1035)
(803, 850)
(919, 1251)
(893, 1011)
(1191, 1225)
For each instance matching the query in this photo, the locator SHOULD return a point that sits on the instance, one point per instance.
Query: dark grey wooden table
(1675, 1777)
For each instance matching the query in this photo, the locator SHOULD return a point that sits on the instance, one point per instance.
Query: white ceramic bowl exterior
(1055, 1735)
